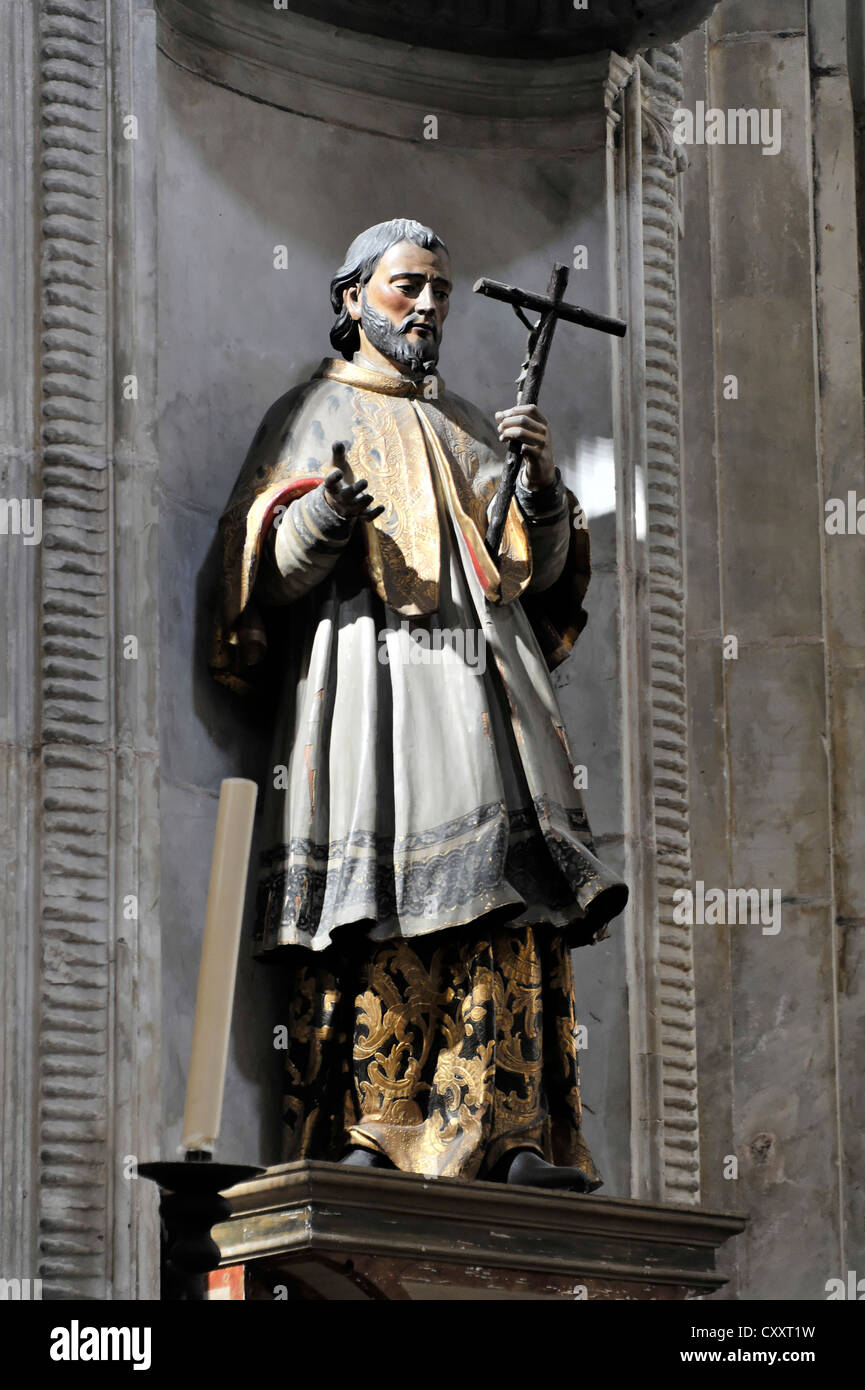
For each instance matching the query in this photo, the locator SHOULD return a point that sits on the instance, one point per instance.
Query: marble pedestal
(314, 1230)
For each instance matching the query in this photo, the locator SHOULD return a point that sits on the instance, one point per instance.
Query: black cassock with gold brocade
(426, 860)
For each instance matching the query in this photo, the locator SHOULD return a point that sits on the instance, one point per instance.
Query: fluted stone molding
(625, 222)
(18, 606)
(643, 169)
(95, 1043)
(662, 95)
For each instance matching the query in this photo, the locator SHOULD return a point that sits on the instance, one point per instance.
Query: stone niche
(281, 129)
(277, 130)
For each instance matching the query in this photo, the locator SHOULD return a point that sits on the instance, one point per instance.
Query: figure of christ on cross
(426, 863)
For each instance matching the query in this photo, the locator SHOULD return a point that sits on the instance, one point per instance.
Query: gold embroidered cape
(394, 430)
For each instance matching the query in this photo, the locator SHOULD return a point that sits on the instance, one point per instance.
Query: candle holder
(191, 1205)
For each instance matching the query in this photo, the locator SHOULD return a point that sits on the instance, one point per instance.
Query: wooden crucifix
(551, 307)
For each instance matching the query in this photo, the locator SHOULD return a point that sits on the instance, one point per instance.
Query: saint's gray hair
(359, 265)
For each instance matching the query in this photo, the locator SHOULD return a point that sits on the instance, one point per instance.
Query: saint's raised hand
(348, 499)
(526, 424)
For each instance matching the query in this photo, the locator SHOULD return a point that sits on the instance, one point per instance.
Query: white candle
(213, 1005)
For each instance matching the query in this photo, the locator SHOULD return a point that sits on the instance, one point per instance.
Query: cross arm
(572, 313)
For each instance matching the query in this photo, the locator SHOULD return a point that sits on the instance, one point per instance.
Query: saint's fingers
(530, 437)
(526, 422)
(521, 412)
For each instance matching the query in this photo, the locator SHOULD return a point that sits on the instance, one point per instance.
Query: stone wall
(79, 1008)
(770, 295)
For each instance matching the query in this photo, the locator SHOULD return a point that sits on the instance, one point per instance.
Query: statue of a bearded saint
(427, 864)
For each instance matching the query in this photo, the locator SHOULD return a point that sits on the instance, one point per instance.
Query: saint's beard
(391, 341)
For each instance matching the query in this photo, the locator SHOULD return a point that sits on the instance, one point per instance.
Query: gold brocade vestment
(425, 844)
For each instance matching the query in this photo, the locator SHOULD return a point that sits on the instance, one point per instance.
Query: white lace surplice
(427, 776)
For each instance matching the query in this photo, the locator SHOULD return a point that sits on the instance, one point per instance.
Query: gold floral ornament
(461, 1049)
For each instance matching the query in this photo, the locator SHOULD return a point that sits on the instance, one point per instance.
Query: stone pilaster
(84, 1013)
(643, 185)
(662, 164)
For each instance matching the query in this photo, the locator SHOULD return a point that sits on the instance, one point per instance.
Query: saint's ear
(351, 300)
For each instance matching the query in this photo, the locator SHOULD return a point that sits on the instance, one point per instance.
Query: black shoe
(365, 1158)
(526, 1168)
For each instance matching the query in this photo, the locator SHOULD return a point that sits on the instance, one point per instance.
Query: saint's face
(403, 306)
